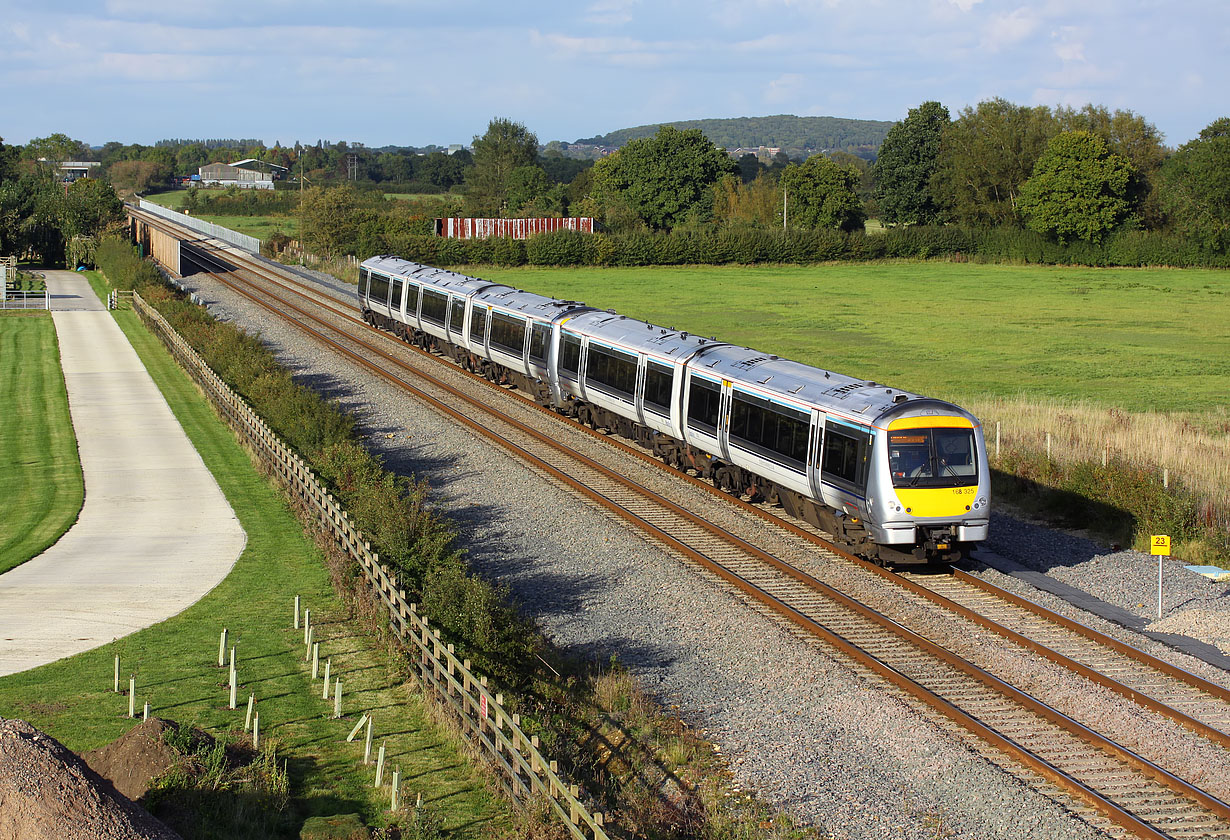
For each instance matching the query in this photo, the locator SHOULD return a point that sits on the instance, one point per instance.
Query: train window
(508, 333)
(940, 457)
(704, 397)
(570, 354)
(379, 292)
(845, 455)
(659, 383)
(395, 297)
(540, 338)
(364, 280)
(457, 316)
(435, 305)
(774, 431)
(412, 299)
(478, 323)
(610, 370)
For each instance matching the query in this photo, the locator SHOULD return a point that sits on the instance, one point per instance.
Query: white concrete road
(155, 533)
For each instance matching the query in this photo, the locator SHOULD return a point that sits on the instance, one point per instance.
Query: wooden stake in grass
(247, 721)
(222, 648)
(380, 766)
(337, 699)
(296, 612)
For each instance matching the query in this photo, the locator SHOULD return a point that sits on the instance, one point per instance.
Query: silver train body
(897, 477)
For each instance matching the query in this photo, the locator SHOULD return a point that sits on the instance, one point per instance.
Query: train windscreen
(933, 457)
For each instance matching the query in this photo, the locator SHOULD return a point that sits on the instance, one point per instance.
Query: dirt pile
(130, 761)
(48, 793)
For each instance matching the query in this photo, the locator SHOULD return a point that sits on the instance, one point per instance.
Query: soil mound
(136, 757)
(48, 793)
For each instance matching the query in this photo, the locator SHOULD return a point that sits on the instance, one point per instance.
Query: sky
(420, 72)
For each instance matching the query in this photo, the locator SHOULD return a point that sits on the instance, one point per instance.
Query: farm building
(513, 228)
(249, 174)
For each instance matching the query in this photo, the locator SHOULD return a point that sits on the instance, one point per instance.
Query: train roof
(534, 305)
(665, 343)
(450, 280)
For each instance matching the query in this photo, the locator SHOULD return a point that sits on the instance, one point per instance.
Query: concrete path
(155, 533)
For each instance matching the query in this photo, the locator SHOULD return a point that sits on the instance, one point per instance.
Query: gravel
(798, 727)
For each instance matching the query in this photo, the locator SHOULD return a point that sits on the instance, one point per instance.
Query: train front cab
(933, 488)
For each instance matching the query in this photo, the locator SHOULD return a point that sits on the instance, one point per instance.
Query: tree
(822, 194)
(137, 176)
(1196, 186)
(88, 207)
(754, 204)
(985, 156)
(1078, 188)
(905, 165)
(662, 179)
(505, 147)
(56, 149)
(1135, 139)
(526, 184)
(329, 220)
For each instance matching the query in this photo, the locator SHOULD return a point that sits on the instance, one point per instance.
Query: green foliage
(1197, 186)
(138, 176)
(89, 207)
(564, 247)
(1133, 138)
(56, 149)
(985, 157)
(665, 178)
(1078, 189)
(822, 194)
(329, 220)
(526, 184)
(906, 164)
(506, 147)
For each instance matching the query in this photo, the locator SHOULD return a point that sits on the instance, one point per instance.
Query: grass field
(1139, 339)
(259, 226)
(176, 661)
(40, 476)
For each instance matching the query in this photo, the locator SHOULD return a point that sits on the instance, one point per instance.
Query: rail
(523, 770)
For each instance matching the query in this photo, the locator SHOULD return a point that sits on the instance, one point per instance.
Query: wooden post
(451, 670)
(996, 440)
(573, 813)
(465, 677)
(222, 648)
(1048, 446)
(1105, 453)
(1165, 478)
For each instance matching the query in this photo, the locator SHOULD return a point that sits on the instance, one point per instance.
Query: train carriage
(896, 476)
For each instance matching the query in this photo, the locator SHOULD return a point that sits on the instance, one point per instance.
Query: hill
(795, 135)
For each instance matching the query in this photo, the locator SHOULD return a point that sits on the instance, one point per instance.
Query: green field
(259, 226)
(41, 488)
(176, 661)
(1140, 339)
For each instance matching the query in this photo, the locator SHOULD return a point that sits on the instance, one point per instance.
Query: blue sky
(419, 71)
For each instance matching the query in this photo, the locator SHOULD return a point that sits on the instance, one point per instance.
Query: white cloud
(965, 5)
(1004, 30)
(785, 88)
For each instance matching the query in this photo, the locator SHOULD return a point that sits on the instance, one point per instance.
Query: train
(895, 477)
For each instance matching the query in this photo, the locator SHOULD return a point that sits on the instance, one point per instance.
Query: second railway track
(1145, 796)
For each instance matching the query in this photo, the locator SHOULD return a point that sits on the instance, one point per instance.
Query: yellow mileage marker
(1159, 545)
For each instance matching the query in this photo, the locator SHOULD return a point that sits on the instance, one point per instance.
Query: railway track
(1139, 794)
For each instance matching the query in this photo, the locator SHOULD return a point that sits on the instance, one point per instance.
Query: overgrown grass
(176, 661)
(41, 487)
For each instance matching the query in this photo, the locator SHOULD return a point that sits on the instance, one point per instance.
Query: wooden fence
(522, 768)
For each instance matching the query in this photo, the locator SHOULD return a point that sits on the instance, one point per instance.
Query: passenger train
(894, 476)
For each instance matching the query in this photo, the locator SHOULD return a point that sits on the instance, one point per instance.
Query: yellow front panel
(931, 423)
(937, 501)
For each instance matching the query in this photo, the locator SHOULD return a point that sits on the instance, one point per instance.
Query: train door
(844, 460)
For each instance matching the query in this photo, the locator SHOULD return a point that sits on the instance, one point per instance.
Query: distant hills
(794, 135)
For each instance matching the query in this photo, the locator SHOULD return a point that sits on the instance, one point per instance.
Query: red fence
(514, 228)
